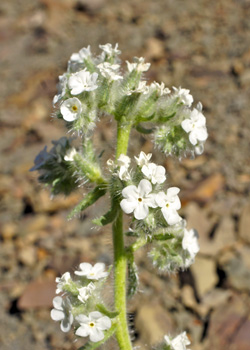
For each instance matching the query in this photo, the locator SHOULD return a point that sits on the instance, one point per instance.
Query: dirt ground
(200, 45)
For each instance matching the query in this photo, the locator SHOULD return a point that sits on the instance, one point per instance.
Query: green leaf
(166, 118)
(163, 236)
(143, 130)
(88, 200)
(107, 334)
(106, 218)
(105, 311)
(132, 234)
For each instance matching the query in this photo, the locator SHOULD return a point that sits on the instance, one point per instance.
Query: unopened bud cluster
(80, 302)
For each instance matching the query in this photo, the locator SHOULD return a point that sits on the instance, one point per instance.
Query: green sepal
(106, 312)
(163, 236)
(143, 130)
(88, 200)
(106, 218)
(132, 234)
(107, 334)
(166, 118)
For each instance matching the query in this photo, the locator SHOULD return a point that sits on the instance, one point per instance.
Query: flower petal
(104, 323)
(128, 206)
(82, 331)
(141, 211)
(144, 187)
(96, 335)
(57, 315)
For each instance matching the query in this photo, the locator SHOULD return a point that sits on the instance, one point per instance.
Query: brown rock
(225, 322)
(204, 272)
(152, 322)
(244, 225)
(39, 293)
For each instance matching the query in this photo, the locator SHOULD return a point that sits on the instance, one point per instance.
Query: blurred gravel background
(201, 45)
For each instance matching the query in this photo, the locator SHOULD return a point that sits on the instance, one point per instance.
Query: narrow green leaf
(105, 311)
(106, 218)
(88, 200)
(107, 334)
(163, 236)
(143, 130)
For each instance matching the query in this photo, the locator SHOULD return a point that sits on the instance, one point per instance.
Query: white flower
(82, 81)
(61, 87)
(62, 312)
(109, 71)
(62, 281)
(83, 54)
(92, 272)
(69, 157)
(138, 199)
(85, 292)
(138, 64)
(155, 173)
(109, 50)
(160, 88)
(169, 204)
(142, 88)
(190, 243)
(179, 342)
(195, 125)
(183, 95)
(143, 158)
(93, 325)
(71, 109)
(123, 162)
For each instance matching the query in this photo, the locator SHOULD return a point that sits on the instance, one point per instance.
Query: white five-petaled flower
(169, 204)
(184, 96)
(69, 156)
(190, 243)
(142, 88)
(143, 158)
(82, 81)
(85, 292)
(155, 173)
(95, 272)
(62, 281)
(80, 56)
(179, 342)
(71, 109)
(109, 50)
(93, 325)
(138, 64)
(195, 126)
(109, 71)
(160, 88)
(138, 199)
(62, 312)
(123, 162)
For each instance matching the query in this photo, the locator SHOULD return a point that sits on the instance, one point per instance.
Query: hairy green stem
(120, 257)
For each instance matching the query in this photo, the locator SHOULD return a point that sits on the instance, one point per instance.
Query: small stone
(244, 224)
(27, 255)
(188, 298)
(152, 321)
(204, 271)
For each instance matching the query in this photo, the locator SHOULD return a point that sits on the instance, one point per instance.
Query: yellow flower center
(91, 324)
(74, 108)
(139, 199)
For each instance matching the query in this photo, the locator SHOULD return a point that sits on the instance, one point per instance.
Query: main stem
(120, 259)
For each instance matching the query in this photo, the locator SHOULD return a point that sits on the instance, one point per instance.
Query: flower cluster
(95, 86)
(155, 212)
(80, 302)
